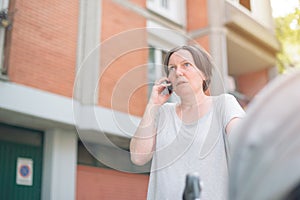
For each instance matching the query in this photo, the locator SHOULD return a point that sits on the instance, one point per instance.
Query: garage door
(21, 163)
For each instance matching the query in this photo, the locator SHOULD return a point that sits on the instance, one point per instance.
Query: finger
(166, 84)
(161, 80)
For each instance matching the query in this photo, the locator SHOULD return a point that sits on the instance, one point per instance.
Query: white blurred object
(266, 146)
(230, 82)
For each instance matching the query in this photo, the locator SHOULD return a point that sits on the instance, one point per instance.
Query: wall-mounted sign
(24, 171)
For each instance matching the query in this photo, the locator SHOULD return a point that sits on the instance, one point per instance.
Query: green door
(20, 180)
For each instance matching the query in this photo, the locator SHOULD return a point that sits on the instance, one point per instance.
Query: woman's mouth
(180, 83)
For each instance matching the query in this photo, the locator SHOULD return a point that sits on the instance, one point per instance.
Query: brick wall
(98, 183)
(43, 48)
(197, 20)
(250, 84)
(196, 14)
(122, 83)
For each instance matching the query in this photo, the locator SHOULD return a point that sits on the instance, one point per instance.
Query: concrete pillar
(59, 165)
(88, 52)
(218, 45)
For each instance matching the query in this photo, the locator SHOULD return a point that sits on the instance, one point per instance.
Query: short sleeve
(231, 109)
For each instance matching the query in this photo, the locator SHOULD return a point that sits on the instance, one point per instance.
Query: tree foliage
(288, 34)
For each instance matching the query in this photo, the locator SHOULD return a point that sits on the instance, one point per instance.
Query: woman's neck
(192, 109)
(192, 101)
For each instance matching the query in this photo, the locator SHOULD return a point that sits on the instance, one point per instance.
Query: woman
(189, 136)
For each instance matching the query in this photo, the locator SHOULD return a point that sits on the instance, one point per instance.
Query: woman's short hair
(202, 59)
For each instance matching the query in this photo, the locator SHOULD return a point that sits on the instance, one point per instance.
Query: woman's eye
(186, 64)
(171, 68)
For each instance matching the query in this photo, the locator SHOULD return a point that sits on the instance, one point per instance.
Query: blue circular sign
(24, 170)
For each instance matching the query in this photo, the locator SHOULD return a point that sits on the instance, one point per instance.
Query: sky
(283, 7)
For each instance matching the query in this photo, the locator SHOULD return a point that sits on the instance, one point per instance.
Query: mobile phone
(170, 87)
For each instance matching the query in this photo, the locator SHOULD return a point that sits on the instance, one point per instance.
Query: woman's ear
(205, 85)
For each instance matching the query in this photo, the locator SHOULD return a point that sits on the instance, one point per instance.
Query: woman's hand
(158, 97)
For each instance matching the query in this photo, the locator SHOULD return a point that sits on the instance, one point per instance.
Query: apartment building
(76, 75)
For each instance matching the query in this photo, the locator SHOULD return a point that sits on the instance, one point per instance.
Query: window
(246, 4)
(173, 10)
(155, 68)
(242, 3)
(84, 157)
(165, 4)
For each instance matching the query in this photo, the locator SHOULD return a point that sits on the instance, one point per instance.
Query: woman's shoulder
(224, 97)
(224, 100)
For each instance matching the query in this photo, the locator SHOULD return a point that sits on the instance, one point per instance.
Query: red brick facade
(105, 184)
(251, 84)
(122, 83)
(43, 48)
(196, 14)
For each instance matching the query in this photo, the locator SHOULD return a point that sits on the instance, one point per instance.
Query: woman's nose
(179, 71)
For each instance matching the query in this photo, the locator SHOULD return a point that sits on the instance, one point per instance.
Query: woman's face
(183, 73)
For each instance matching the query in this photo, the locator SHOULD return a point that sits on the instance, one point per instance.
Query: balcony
(251, 42)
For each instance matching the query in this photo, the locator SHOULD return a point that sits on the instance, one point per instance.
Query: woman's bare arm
(143, 142)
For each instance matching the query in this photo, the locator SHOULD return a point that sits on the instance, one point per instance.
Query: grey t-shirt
(188, 148)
